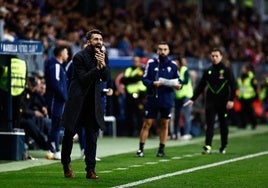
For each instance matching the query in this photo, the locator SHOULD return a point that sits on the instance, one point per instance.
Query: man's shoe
(222, 150)
(160, 154)
(207, 149)
(139, 153)
(68, 173)
(92, 175)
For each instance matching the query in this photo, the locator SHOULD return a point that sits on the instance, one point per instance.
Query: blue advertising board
(21, 47)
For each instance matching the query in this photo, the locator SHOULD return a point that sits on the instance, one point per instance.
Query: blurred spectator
(247, 94)
(34, 117)
(16, 87)
(181, 97)
(264, 99)
(56, 94)
(135, 95)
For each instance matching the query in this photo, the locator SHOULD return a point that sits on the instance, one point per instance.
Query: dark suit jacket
(83, 106)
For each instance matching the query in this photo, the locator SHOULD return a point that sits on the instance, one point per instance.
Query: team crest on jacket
(221, 76)
(169, 69)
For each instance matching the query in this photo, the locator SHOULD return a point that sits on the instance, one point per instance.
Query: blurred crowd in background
(131, 27)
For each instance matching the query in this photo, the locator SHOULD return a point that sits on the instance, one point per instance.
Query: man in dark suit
(83, 107)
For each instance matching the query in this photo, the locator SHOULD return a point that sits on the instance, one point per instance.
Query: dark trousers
(82, 138)
(91, 135)
(134, 115)
(38, 129)
(247, 113)
(54, 135)
(212, 110)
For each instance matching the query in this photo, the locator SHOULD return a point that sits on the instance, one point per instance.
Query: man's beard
(162, 57)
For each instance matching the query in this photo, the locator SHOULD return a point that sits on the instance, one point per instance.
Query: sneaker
(97, 159)
(186, 137)
(207, 149)
(57, 155)
(222, 150)
(49, 155)
(68, 173)
(139, 153)
(160, 154)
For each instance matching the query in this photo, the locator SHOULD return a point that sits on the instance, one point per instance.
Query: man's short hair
(216, 49)
(58, 49)
(91, 32)
(178, 57)
(162, 43)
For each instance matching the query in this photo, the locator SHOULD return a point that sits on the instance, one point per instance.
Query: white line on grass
(190, 170)
(121, 168)
(176, 157)
(164, 160)
(135, 166)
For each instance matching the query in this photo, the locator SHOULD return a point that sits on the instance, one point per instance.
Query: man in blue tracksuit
(56, 95)
(160, 78)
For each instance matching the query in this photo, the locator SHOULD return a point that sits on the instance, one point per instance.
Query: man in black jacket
(83, 106)
(221, 86)
(34, 117)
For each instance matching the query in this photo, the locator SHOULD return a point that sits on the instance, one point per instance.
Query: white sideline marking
(176, 157)
(135, 166)
(191, 170)
(105, 171)
(164, 160)
(188, 155)
(121, 168)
